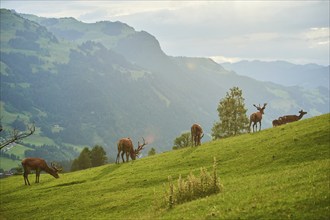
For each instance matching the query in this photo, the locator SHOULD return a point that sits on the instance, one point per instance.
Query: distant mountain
(284, 73)
(85, 84)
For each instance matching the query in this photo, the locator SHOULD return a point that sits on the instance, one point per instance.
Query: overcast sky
(295, 31)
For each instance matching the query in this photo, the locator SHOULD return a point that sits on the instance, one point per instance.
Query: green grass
(278, 173)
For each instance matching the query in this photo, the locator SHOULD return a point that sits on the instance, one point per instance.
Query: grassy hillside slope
(278, 173)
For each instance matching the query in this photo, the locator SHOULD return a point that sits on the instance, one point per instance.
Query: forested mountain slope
(85, 84)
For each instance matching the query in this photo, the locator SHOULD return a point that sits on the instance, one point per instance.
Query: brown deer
(293, 118)
(38, 165)
(196, 134)
(257, 117)
(278, 122)
(125, 145)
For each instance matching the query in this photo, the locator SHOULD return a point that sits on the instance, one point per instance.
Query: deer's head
(302, 112)
(140, 147)
(54, 170)
(260, 109)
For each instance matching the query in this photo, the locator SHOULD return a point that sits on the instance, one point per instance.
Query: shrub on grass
(193, 187)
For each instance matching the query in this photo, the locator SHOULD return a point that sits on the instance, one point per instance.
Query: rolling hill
(85, 84)
(278, 173)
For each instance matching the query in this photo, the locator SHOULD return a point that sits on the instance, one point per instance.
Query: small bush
(193, 187)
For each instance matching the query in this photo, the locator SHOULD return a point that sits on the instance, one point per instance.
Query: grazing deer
(196, 134)
(38, 165)
(293, 118)
(257, 117)
(125, 145)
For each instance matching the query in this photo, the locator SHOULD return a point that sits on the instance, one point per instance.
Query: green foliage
(84, 159)
(278, 173)
(89, 158)
(98, 156)
(152, 152)
(232, 114)
(184, 140)
(193, 187)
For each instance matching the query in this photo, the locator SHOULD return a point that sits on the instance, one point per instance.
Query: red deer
(278, 122)
(38, 165)
(196, 134)
(257, 117)
(125, 145)
(293, 118)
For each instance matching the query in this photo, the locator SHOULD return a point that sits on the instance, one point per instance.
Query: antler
(140, 147)
(55, 167)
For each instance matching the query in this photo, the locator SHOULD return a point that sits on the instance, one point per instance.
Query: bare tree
(16, 135)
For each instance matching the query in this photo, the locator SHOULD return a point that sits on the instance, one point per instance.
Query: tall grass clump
(193, 187)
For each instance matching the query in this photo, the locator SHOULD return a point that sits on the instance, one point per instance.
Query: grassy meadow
(278, 173)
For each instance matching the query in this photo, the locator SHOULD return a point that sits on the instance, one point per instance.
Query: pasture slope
(278, 173)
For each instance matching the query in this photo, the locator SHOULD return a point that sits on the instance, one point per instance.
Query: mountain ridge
(284, 73)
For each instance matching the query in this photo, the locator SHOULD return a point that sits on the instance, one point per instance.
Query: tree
(184, 140)
(75, 165)
(232, 114)
(98, 156)
(152, 151)
(84, 159)
(89, 158)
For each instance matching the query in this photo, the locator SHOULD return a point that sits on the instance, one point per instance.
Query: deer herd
(125, 145)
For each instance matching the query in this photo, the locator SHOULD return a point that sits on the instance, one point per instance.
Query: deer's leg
(25, 174)
(117, 159)
(37, 175)
(127, 156)
(260, 126)
(122, 156)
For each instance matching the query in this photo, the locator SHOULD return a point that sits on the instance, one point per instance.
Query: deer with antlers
(196, 134)
(257, 117)
(38, 165)
(125, 145)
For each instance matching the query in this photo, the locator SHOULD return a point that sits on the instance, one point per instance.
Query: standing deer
(257, 117)
(196, 134)
(125, 145)
(293, 118)
(38, 165)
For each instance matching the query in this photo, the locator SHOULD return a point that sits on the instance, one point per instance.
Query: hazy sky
(296, 31)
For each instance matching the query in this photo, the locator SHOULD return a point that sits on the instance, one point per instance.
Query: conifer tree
(98, 156)
(232, 114)
(152, 151)
(84, 159)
